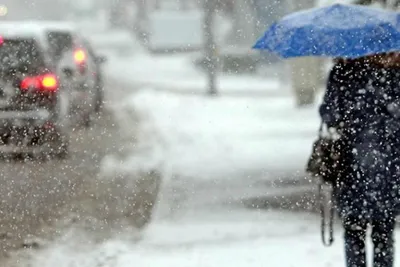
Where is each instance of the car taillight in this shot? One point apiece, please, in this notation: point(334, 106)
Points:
point(79, 56)
point(46, 82)
point(49, 82)
point(80, 60)
point(30, 82)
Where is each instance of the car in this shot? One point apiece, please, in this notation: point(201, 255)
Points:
point(34, 104)
point(98, 64)
point(73, 56)
point(66, 44)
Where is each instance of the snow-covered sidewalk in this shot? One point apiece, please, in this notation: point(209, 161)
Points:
point(225, 136)
point(241, 238)
point(237, 239)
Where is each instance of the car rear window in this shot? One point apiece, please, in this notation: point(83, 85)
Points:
point(21, 54)
point(59, 43)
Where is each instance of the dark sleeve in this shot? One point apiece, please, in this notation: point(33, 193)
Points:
point(330, 110)
point(393, 107)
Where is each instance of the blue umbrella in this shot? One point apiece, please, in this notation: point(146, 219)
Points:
point(338, 31)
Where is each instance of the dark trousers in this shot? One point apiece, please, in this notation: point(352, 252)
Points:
point(382, 239)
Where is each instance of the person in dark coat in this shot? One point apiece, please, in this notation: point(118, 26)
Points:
point(362, 104)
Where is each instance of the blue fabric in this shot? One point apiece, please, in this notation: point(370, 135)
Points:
point(348, 31)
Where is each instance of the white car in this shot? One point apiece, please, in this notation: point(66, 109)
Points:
point(72, 55)
point(34, 99)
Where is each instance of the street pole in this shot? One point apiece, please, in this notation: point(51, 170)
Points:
point(305, 71)
point(210, 46)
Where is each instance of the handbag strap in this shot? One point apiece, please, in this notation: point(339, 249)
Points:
point(321, 129)
point(327, 241)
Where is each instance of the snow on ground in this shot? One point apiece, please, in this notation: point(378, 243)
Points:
point(239, 238)
point(214, 137)
point(223, 136)
point(178, 73)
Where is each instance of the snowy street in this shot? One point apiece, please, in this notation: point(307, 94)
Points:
point(176, 133)
point(42, 198)
point(168, 176)
point(232, 185)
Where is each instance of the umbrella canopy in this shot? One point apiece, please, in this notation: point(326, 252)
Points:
point(338, 31)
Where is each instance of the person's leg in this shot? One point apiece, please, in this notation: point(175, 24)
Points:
point(354, 238)
point(383, 241)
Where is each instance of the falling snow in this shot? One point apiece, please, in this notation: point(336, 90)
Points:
point(156, 133)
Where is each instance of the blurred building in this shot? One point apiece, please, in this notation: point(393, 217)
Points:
point(34, 9)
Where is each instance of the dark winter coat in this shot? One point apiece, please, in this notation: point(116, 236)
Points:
point(363, 103)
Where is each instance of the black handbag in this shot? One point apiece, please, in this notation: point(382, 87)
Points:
point(327, 162)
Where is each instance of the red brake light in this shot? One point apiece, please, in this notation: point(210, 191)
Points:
point(46, 82)
point(30, 82)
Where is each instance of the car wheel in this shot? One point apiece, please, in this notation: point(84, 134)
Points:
point(59, 145)
point(62, 149)
point(63, 153)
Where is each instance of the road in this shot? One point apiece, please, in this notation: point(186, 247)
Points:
point(43, 199)
point(36, 197)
